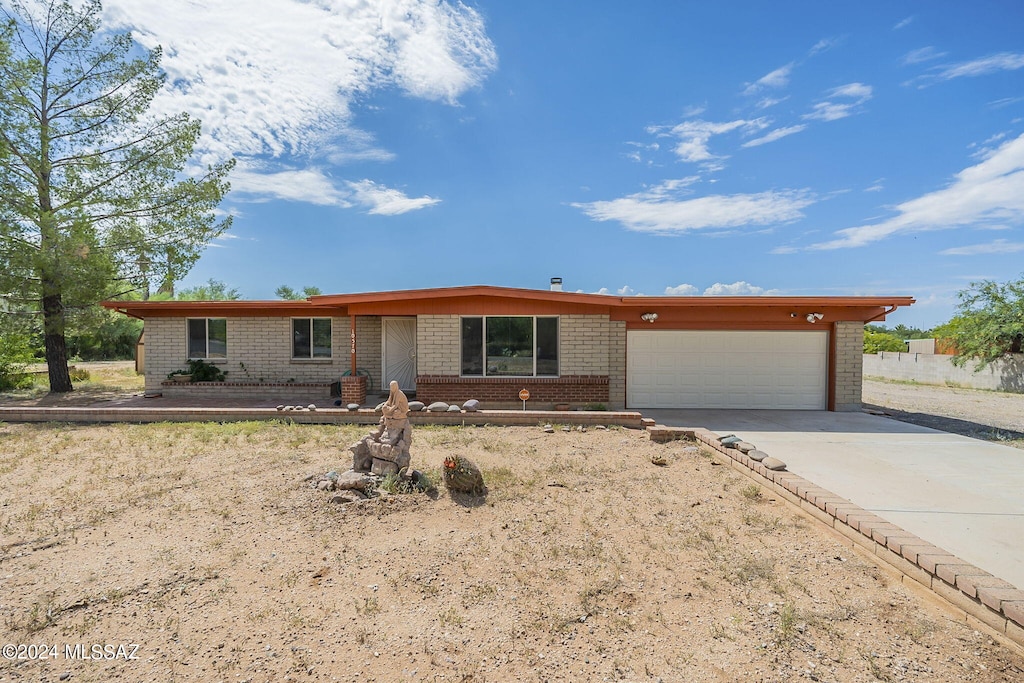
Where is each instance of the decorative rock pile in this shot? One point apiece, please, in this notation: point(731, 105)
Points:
point(352, 487)
point(310, 407)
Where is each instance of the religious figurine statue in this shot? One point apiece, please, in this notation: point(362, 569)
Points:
point(386, 451)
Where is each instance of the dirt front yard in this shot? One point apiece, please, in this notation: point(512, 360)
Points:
point(202, 545)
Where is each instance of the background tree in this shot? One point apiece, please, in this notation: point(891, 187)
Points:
point(95, 195)
point(989, 323)
point(213, 290)
point(286, 292)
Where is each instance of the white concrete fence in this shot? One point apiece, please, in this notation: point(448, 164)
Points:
point(925, 368)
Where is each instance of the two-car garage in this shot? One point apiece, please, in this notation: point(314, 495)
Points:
point(781, 370)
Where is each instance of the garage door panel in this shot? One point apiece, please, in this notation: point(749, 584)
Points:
point(726, 369)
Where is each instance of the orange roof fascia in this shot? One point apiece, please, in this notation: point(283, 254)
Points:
point(164, 309)
point(363, 303)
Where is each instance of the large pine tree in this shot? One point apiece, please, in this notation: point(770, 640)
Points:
point(96, 194)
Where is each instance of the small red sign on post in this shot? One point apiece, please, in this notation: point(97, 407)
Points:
point(524, 396)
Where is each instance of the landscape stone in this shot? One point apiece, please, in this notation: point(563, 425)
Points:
point(353, 480)
point(280, 407)
point(416, 406)
point(548, 429)
point(744, 447)
point(437, 407)
point(757, 455)
point(353, 406)
point(454, 409)
point(773, 464)
point(324, 485)
point(471, 406)
point(311, 406)
point(349, 496)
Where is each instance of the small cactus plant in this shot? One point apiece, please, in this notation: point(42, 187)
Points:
point(462, 476)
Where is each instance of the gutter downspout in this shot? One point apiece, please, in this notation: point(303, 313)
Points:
point(881, 315)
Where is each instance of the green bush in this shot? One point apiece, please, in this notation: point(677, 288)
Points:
point(15, 355)
point(875, 342)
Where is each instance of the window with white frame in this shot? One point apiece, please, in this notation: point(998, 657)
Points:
point(311, 338)
point(509, 346)
point(207, 338)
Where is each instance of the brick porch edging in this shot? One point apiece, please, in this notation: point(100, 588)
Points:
point(977, 593)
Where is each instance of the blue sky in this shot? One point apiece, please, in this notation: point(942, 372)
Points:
point(794, 148)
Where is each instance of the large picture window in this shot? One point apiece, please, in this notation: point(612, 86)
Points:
point(311, 337)
point(510, 346)
point(207, 338)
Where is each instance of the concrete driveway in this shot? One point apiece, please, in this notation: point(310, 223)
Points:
point(963, 495)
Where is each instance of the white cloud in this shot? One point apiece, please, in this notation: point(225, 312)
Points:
point(694, 136)
point(1004, 61)
point(779, 78)
point(665, 211)
point(849, 96)
point(740, 288)
point(923, 54)
point(278, 79)
point(386, 201)
point(903, 23)
point(876, 186)
point(774, 135)
point(991, 192)
point(823, 45)
point(681, 290)
point(312, 185)
point(766, 102)
point(994, 247)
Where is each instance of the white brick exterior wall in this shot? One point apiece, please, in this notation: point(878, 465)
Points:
point(438, 345)
point(368, 331)
point(849, 362)
point(263, 344)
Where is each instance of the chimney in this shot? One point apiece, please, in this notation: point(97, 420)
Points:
point(556, 284)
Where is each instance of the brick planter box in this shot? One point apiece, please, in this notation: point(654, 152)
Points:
point(503, 392)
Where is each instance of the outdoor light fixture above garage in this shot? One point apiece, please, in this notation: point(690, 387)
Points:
point(649, 317)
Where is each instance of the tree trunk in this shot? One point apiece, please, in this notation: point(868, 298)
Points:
point(56, 348)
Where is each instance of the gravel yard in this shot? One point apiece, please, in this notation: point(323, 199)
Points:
point(989, 415)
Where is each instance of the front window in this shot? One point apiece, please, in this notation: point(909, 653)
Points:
point(311, 337)
point(510, 346)
point(207, 338)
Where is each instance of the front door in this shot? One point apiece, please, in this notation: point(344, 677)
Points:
point(399, 353)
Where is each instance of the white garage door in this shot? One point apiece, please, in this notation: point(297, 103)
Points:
point(726, 369)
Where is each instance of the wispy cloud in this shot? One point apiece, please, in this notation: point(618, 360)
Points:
point(667, 210)
point(694, 136)
point(279, 79)
point(387, 201)
point(824, 45)
point(1004, 61)
point(774, 135)
point(920, 55)
point(841, 102)
point(903, 23)
point(991, 191)
point(994, 247)
point(779, 78)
